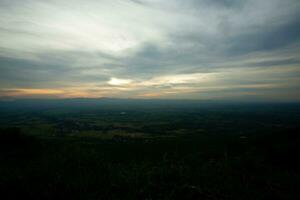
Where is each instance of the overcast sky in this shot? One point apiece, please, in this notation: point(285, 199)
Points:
point(193, 49)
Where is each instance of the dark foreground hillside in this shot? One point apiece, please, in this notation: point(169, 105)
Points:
point(254, 160)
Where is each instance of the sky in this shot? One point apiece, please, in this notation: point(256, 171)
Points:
point(169, 49)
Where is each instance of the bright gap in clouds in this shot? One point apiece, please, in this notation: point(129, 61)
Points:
point(119, 82)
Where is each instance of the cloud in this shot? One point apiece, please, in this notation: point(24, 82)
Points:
point(150, 48)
